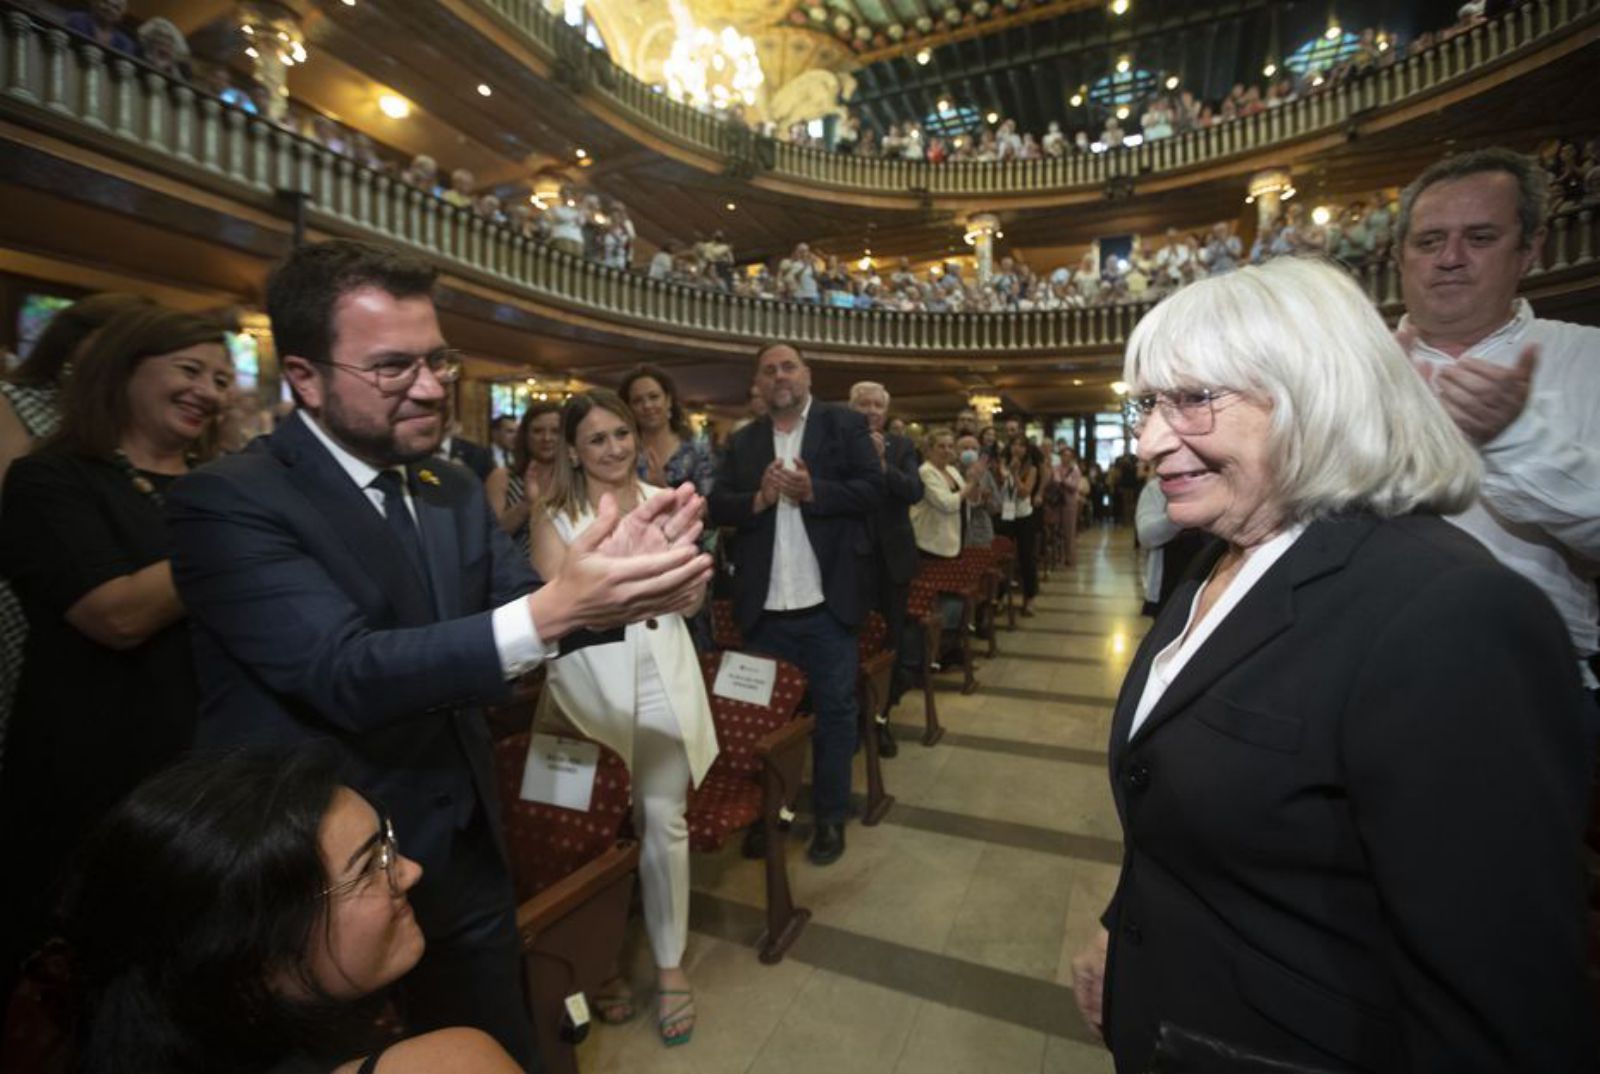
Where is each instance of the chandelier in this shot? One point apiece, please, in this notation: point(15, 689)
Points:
point(711, 69)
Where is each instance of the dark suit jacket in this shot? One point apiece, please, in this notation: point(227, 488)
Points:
point(1353, 824)
point(311, 623)
point(890, 525)
point(846, 483)
point(472, 455)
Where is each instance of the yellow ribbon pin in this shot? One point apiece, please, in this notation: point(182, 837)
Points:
point(427, 477)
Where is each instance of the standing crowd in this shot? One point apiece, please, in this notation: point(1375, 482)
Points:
point(248, 775)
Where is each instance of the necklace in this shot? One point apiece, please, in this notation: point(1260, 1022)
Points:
point(142, 484)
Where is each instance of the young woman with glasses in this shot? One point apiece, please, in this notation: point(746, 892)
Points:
point(246, 913)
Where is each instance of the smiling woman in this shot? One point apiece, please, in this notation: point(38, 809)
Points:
point(107, 693)
point(1345, 691)
point(246, 912)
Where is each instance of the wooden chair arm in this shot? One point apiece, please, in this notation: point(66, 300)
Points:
point(776, 743)
point(570, 892)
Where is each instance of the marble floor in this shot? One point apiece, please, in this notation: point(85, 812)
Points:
point(942, 941)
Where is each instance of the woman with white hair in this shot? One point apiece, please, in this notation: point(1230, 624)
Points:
point(1348, 757)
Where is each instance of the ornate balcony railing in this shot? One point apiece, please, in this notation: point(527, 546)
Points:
point(56, 84)
point(586, 70)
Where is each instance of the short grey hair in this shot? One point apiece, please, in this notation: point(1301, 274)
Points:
point(1353, 427)
point(1533, 185)
point(862, 387)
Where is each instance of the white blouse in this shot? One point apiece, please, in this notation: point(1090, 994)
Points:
point(1172, 660)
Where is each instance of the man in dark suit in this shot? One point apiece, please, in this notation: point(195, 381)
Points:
point(345, 586)
point(469, 453)
point(798, 484)
point(894, 544)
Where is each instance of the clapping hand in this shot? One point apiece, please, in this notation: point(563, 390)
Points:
point(796, 483)
point(1481, 398)
point(771, 485)
point(622, 570)
point(880, 445)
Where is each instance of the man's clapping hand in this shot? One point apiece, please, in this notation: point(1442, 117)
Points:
point(796, 483)
point(624, 570)
point(1482, 398)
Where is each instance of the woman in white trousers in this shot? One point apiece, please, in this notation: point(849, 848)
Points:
point(643, 698)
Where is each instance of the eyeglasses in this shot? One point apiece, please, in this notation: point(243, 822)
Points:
point(1189, 412)
point(386, 860)
point(396, 373)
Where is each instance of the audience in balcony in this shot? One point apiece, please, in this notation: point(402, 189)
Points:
point(101, 23)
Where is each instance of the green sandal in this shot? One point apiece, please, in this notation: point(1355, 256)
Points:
point(677, 1017)
point(614, 1008)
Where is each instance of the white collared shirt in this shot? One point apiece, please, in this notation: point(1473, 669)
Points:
point(1176, 656)
point(516, 637)
point(1538, 508)
point(796, 579)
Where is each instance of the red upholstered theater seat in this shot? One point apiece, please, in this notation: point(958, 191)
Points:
point(548, 843)
point(574, 880)
point(755, 779)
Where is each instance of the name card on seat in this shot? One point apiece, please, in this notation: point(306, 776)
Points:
point(747, 678)
point(560, 771)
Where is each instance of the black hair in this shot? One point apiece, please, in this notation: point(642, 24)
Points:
point(676, 420)
point(303, 292)
point(195, 901)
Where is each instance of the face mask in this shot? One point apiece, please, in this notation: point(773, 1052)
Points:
point(968, 457)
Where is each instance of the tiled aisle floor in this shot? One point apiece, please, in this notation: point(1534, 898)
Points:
point(942, 941)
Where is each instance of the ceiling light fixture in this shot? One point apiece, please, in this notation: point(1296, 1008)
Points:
point(1075, 100)
point(1120, 387)
point(711, 69)
point(1123, 63)
point(1333, 32)
point(1122, 112)
point(923, 57)
point(1120, 7)
point(1172, 81)
point(943, 104)
point(394, 106)
point(484, 90)
point(1270, 69)
point(732, 206)
point(993, 117)
point(580, 153)
point(1321, 215)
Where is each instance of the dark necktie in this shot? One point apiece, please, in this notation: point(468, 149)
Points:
point(402, 525)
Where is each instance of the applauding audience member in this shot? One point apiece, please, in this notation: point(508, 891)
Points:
point(644, 699)
point(107, 694)
point(668, 453)
point(514, 489)
point(246, 913)
point(798, 484)
point(889, 527)
point(1523, 389)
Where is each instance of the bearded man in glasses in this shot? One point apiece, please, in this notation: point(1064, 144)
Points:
point(345, 585)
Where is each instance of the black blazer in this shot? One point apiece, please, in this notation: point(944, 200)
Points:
point(1353, 824)
point(310, 623)
point(846, 483)
point(890, 525)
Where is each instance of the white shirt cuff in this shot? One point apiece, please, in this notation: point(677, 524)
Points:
point(517, 640)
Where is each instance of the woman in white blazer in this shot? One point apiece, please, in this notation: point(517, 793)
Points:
point(936, 518)
point(644, 698)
